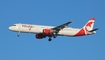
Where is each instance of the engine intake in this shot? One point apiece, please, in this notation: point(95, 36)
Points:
point(47, 31)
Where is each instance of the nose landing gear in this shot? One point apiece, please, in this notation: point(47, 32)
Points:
point(18, 34)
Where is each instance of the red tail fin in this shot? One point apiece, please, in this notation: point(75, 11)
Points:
point(88, 26)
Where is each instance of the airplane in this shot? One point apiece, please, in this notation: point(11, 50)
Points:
point(43, 31)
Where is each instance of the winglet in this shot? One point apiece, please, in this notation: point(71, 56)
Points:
point(67, 23)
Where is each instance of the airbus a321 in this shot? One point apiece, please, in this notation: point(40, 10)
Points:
point(43, 31)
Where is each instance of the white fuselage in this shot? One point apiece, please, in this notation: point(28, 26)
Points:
point(36, 29)
point(42, 31)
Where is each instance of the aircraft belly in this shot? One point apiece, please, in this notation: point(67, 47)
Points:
point(67, 33)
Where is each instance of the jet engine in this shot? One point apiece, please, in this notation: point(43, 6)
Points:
point(47, 31)
point(40, 36)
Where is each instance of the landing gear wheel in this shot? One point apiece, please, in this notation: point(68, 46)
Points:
point(49, 39)
point(54, 36)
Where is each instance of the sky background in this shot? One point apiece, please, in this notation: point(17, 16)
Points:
point(51, 12)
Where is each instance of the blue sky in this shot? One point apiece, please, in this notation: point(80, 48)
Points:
point(51, 12)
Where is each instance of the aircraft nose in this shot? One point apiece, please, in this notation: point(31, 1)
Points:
point(10, 28)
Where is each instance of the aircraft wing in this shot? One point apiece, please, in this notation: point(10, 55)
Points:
point(54, 31)
point(58, 28)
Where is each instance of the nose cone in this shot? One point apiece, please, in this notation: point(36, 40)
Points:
point(10, 28)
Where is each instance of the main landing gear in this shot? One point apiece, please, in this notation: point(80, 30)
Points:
point(49, 39)
point(54, 35)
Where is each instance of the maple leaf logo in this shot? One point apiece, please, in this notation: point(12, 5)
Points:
point(89, 24)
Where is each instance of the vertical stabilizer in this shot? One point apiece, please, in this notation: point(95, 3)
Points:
point(88, 27)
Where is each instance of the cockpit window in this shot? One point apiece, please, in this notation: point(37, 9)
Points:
point(13, 25)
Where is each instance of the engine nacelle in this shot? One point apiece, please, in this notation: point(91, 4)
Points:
point(40, 36)
point(47, 31)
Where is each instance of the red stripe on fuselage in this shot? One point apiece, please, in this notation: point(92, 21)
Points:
point(80, 33)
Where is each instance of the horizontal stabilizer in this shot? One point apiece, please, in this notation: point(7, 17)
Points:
point(93, 30)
